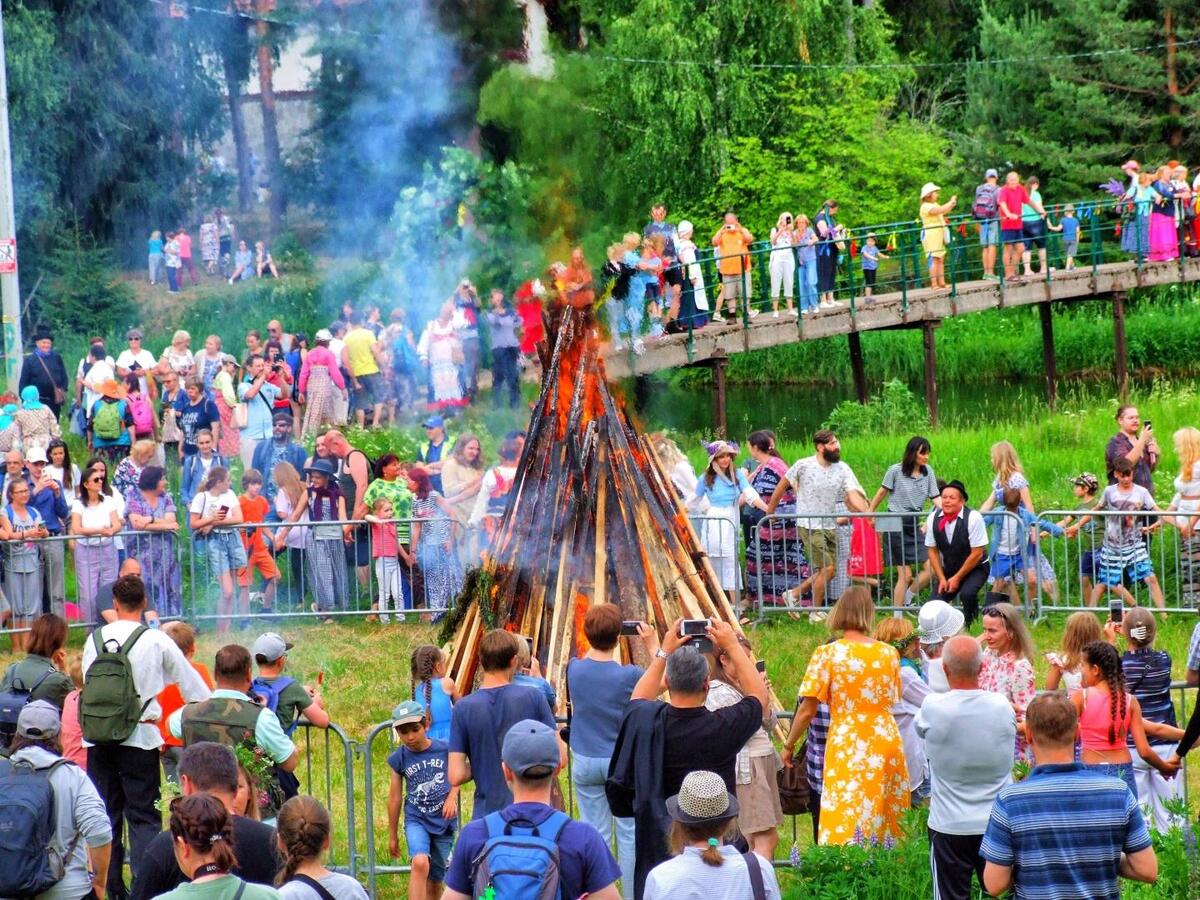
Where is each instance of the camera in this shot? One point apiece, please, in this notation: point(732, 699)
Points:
point(629, 628)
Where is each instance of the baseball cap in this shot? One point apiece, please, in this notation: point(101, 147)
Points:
point(434, 422)
point(270, 646)
point(37, 454)
point(39, 719)
point(408, 713)
point(991, 173)
point(323, 334)
point(531, 749)
point(1087, 481)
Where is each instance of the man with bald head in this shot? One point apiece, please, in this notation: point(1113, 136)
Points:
point(14, 467)
point(969, 735)
point(104, 596)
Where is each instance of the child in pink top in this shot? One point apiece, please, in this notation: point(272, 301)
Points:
point(71, 733)
point(385, 549)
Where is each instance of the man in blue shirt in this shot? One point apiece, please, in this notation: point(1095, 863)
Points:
point(482, 719)
point(268, 454)
point(1066, 831)
point(531, 760)
point(259, 395)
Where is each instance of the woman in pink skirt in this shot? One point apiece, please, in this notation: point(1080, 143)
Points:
point(320, 379)
point(226, 400)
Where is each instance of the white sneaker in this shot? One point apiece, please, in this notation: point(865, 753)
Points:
point(753, 313)
point(717, 317)
point(638, 347)
point(775, 315)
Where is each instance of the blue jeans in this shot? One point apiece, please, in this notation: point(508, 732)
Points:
point(624, 318)
point(588, 774)
point(807, 273)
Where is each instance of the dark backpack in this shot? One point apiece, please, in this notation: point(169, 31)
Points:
point(29, 862)
point(12, 701)
point(519, 861)
point(109, 705)
point(268, 694)
point(987, 202)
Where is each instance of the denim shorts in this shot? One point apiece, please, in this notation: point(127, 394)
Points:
point(1035, 234)
point(1008, 565)
point(1071, 247)
point(225, 552)
point(1089, 564)
point(989, 232)
point(436, 846)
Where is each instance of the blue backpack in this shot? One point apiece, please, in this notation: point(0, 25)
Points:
point(268, 692)
point(519, 861)
point(29, 862)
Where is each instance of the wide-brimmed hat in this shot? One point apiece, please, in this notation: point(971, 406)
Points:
point(928, 189)
point(938, 621)
point(702, 798)
point(958, 486)
point(321, 467)
point(721, 448)
point(109, 388)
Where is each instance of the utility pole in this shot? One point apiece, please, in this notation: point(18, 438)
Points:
point(10, 292)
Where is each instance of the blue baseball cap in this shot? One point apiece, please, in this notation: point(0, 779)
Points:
point(434, 422)
point(531, 749)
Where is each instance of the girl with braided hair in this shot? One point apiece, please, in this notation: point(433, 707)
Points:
point(303, 835)
point(1108, 715)
point(433, 689)
point(202, 836)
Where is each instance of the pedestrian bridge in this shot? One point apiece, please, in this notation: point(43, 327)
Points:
point(899, 302)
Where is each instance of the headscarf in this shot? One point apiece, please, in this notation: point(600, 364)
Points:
point(29, 398)
point(6, 416)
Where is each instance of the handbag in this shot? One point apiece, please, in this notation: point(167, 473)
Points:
point(239, 416)
point(59, 394)
point(795, 792)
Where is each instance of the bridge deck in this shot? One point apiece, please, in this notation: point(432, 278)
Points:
point(889, 311)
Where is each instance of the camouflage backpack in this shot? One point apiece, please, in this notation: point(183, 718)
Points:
point(230, 721)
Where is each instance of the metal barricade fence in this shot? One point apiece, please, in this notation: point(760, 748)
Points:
point(327, 742)
point(862, 548)
point(1142, 557)
point(327, 569)
point(723, 541)
point(94, 561)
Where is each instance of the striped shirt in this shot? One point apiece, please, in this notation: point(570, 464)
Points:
point(1148, 677)
point(818, 734)
point(1193, 657)
point(908, 494)
point(1063, 830)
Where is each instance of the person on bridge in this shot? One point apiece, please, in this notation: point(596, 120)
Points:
point(935, 234)
point(986, 211)
point(1011, 199)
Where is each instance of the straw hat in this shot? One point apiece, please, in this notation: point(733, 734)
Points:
point(702, 798)
point(109, 388)
point(929, 188)
point(721, 448)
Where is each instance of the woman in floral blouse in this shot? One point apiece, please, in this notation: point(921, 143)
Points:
point(1008, 663)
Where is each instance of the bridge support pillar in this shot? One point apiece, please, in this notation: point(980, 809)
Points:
point(929, 341)
point(720, 416)
point(1049, 364)
point(856, 367)
point(1120, 348)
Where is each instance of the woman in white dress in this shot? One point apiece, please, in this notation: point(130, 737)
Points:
point(726, 488)
point(441, 351)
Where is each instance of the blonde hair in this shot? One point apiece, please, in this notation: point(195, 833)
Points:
point(379, 504)
point(75, 670)
point(1005, 462)
point(854, 611)
point(668, 451)
point(1082, 628)
point(287, 479)
point(898, 633)
point(142, 451)
point(1187, 448)
point(631, 240)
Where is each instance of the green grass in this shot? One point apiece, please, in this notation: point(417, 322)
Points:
point(1162, 329)
point(366, 674)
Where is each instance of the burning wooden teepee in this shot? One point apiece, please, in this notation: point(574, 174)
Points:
point(592, 518)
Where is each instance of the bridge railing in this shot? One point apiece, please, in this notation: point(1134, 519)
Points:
point(1109, 230)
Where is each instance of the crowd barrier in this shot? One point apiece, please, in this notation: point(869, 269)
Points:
point(370, 861)
point(881, 550)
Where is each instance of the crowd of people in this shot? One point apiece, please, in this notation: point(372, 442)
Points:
point(170, 259)
point(676, 798)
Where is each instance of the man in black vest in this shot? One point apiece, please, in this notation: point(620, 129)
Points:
point(957, 541)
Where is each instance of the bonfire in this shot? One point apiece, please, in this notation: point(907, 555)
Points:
point(592, 518)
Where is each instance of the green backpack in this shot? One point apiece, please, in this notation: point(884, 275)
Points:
point(109, 705)
point(106, 423)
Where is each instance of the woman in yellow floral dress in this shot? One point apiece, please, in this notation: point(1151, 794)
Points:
point(866, 777)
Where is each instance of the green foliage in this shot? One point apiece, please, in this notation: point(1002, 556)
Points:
point(85, 294)
point(1076, 119)
point(894, 408)
point(874, 159)
point(292, 256)
point(466, 216)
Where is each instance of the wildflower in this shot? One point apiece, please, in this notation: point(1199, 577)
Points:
point(794, 855)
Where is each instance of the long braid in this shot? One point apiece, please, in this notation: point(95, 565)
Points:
point(303, 827)
point(424, 662)
point(1103, 656)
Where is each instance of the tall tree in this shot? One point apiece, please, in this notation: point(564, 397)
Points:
point(1074, 114)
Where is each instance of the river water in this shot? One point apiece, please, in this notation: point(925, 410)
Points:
point(795, 411)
